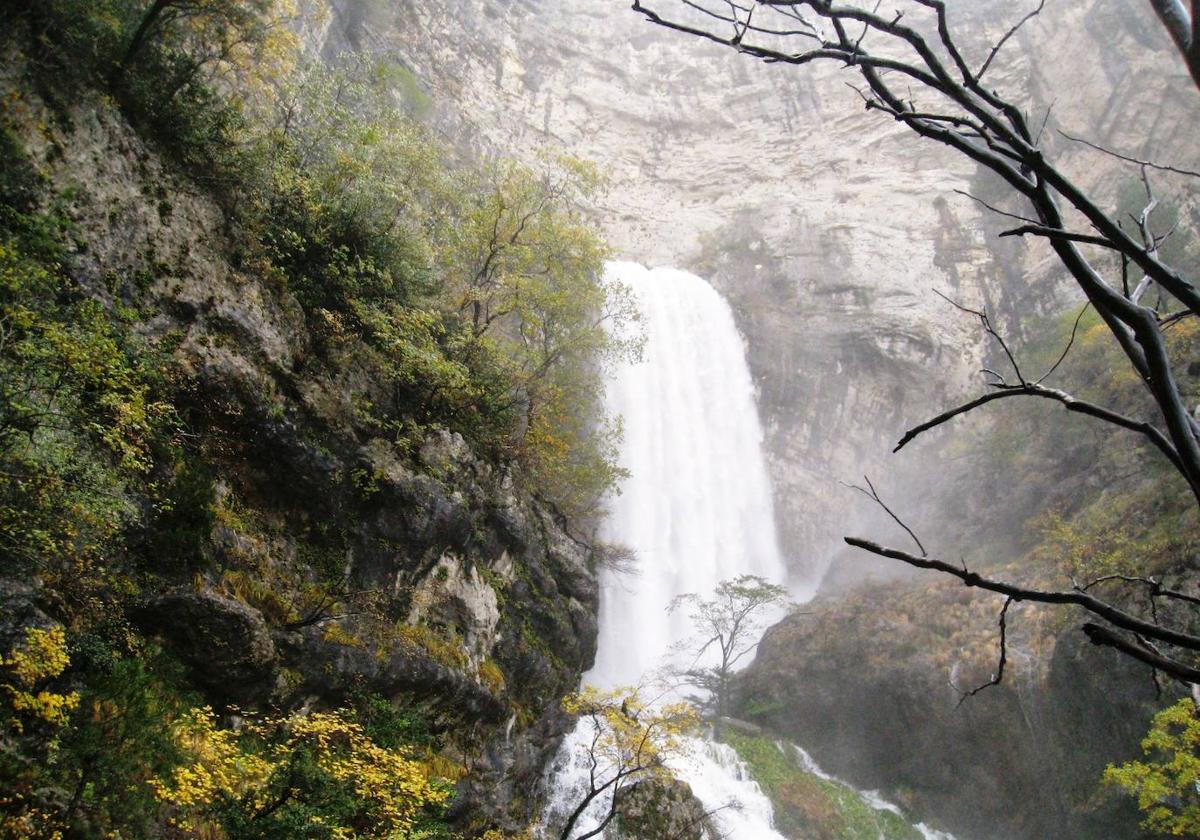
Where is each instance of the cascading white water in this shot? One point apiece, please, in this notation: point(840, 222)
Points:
point(696, 510)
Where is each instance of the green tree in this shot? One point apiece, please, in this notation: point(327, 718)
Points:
point(1167, 784)
point(728, 627)
point(527, 274)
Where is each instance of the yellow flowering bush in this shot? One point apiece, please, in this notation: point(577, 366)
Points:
point(39, 659)
point(319, 769)
point(1167, 785)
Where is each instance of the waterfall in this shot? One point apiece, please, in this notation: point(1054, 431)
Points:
point(696, 510)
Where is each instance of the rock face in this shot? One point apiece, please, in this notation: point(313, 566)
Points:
point(827, 227)
point(873, 702)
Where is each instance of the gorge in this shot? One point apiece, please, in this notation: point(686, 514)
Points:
point(377, 375)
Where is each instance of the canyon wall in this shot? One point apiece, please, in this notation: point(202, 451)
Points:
point(828, 227)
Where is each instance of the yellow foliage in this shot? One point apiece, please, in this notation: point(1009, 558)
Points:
point(40, 658)
point(30, 824)
point(633, 738)
point(1168, 785)
point(219, 767)
point(250, 767)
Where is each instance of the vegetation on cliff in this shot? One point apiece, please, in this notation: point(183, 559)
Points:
point(294, 407)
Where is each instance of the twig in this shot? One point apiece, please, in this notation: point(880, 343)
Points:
point(1156, 588)
point(986, 323)
point(1007, 35)
point(1128, 159)
point(998, 676)
point(1067, 349)
point(997, 210)
point(873, 494)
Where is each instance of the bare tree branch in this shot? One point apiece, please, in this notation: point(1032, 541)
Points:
point(1100, 635)
point(1111, 614)
point(1156, 588)
point(1129, 159)
point(1070, 403)
point(1042, 230)
point(997, 676)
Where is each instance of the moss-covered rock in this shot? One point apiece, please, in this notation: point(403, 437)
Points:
point(809, 806)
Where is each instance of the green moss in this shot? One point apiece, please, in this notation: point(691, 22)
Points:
point(443, 648)
point(810, 807)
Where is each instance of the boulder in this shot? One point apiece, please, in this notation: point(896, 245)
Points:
point(658, 808)
point(225, 643)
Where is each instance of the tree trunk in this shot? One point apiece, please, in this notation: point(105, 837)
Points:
point(139, 36)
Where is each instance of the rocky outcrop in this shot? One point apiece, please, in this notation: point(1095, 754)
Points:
point(655, 809)
point(225, 643)
point(872, 686)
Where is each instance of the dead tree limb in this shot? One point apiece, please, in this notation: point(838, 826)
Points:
point(1104, 637)
point(1114, 615)
point(998, 675)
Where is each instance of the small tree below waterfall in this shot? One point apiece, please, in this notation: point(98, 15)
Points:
point(728, 628)
point(626, 741)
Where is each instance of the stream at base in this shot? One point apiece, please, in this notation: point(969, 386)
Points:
point(696, 510)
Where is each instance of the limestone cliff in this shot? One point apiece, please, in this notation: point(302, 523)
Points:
point(826, 226)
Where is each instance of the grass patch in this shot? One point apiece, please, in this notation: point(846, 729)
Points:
point(809, 807)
